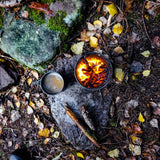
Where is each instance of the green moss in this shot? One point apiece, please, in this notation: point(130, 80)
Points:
point(1, 17)
point(36, 16)
point(57, 24)
point(47, 1)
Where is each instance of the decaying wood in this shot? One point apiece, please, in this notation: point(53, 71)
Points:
point(83, 128)
point(87, 118)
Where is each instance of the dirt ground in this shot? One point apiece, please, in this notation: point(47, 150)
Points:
point(133, 127)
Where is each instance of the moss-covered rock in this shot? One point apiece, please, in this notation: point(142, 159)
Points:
point(29, 43)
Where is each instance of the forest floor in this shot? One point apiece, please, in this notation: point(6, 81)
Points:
point(134, 117)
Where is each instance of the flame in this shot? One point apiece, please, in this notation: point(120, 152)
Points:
point(91, 71)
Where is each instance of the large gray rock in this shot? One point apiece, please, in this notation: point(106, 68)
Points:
point(75, 96)
point(28, 43)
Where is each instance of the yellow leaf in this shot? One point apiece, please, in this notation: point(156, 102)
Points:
point(77, 48)
point(0, 130)
point(31, 104)
point(112, 9)
point(36, 120)
point(44, 133)
point(146, 17)
point(29, 81)
point(136, 140)
point(80, 155)
point(52, 129)
point(117, 29)
point(146, 73)
point(98, 22)
point(118, 50)
point(93, 42)
point(17, 104)
point(119, 74)
point(46, 140)
point(141, 118)
point(35, 74)
point(114, 153)
point(145, 53)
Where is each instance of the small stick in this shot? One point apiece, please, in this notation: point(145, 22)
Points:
point(100, 5)
point(83, 128)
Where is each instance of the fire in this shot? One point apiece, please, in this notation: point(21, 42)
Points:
point(91, 71)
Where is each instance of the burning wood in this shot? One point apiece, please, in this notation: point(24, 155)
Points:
point(91, 71)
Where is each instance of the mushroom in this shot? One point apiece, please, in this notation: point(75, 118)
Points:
point(111, 8)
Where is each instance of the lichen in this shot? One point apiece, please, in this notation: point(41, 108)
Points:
point(56, 23)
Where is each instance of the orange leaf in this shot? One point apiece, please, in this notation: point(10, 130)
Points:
point(136, 129)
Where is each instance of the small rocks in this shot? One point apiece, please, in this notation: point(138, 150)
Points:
point(136, 67)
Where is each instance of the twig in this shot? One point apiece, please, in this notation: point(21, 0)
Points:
point(100, 5)
point(145, 29)
point(81, 126)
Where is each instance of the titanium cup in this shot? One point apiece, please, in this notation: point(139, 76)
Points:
point(51, 83)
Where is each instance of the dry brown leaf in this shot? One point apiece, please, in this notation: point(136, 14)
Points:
point(84, 36)
point(128, 4)
point(136, 129)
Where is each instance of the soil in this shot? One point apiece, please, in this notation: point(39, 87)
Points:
point(123, 122)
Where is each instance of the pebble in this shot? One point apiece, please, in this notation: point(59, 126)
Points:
point(136, 67)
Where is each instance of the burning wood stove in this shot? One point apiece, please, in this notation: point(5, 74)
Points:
point(93, 71)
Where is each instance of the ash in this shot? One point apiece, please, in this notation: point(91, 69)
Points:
point(76, 96)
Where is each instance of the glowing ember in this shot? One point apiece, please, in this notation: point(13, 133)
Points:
point(91, 71)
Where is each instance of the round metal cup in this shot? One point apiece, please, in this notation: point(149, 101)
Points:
point(43, 85)
point(109, 71)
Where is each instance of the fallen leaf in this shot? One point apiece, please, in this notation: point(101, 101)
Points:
point(154, 123)
point(32, 104)
point(156, 41)
point(90, 26)
point(117, 29)
point(98, 158)
point(2, 109)
point(58, 157)
point(111, 8)
point(36, 120)
point(136, 129)
point(39, 103)
point(14, 89)
point(52, 129)
point(146, 73)
point(156, 111)
point(17, 104)
point(77, 48)
point(25, 14)
point(146, 16)
point(128, 4)
point(44, 133)
point(56, 134)
point(119, 74)
point(29, 81)
point(1, 130)
point(118, 50)
point(136, 140)
point(46, 140)
point(141, 118)
point(103, 20)
point(135, 149)
point(107, 31)
point(29, 110)
point(35, 74)
point(93, 42)
point(80, 155)
point(27, 94)
point(114, 153)
point(15, 115)
point(146, 53)
point(97, 24)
